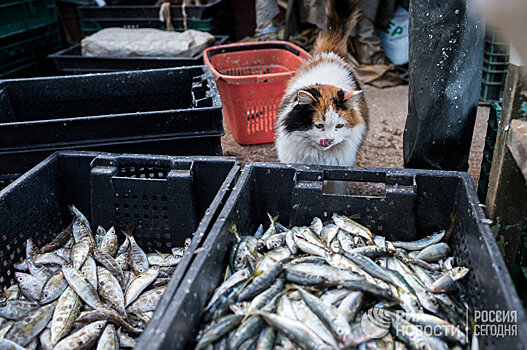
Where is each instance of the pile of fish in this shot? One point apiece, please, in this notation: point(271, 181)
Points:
point(83, 290)
point(335, 285)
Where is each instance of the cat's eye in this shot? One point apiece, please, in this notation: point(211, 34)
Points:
point(338, 126)
point(319, 126)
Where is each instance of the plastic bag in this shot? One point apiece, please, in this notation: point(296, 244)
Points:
point(122, 42)
point(394, 38)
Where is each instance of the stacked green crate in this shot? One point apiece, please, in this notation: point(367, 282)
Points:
point(29, 31)
point(488, 151)
point(490, 141)
point(495, 64)
point(519, 267)
point(19, 16)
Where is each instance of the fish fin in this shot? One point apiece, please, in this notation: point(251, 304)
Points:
point(450, 229)
point(273, 219)
point(234, 231)
point(227, 274)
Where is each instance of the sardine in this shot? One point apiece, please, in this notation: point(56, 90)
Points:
point(109, 339)
point(138, 259)
point(84, 338)
point(29, 327)
point(421, 243)
point(109, 290)
point(81, 286)
point(65, 313)
point(140, 283)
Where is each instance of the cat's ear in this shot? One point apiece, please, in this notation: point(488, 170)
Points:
point(352, 96)
point(304, 97)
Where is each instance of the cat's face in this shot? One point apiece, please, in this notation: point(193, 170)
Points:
point(324, 114)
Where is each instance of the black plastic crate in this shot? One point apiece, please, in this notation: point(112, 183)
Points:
point(414, 203)
point(148, 10)
point(130, 2)
point(6, 180)
point(23, 159)
point(70, 60)
point(119, 110)
point(165, 200)
point(519, 267)
point(210, 25)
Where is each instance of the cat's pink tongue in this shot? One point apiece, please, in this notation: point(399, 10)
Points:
point(325, 142)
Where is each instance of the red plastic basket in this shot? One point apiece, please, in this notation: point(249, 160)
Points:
point(252, 78)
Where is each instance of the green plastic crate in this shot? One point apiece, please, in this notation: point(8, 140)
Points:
point(495, 65)
point(488, 151)
point(19, 16)
point(204, 25)
point(89, 27)
point(490, 141)
point(30, 50)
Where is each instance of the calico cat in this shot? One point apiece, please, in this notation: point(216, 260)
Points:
point(323, 116)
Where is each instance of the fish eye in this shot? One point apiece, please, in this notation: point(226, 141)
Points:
point(3, 304)
point(155, 267)
point(319, 126)
point(99, 326)
point(45, 295)
point(20, 279)
point(338, 126)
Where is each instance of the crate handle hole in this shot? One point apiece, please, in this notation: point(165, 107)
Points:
point(355, 188)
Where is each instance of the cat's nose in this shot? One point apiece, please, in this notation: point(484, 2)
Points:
point(326, 142)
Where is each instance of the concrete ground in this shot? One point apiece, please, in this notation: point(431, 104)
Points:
point(383, 146)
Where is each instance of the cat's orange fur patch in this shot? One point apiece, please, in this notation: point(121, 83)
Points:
point(328, 95)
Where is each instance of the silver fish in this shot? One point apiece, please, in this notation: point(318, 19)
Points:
point(65, 313)
point(28, 328)
point(421, 243)
point(83, 338)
